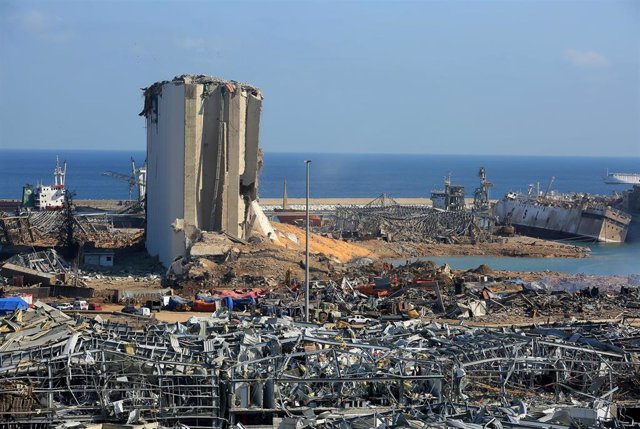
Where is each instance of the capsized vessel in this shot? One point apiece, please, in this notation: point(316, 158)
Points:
point(578, 216)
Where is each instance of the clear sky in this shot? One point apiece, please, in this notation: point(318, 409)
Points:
point(499, 77)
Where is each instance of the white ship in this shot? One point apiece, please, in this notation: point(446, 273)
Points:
point(622, 178)
point(47, 197)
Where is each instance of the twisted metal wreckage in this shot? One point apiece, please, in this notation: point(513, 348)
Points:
point(384, 217)
point(217, 371)
point(45, 226)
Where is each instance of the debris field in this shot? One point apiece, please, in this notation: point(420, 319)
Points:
point(228, 370)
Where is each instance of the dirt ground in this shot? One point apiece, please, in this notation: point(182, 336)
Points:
point(274, 262)
point(518, 246)
point(162, 316)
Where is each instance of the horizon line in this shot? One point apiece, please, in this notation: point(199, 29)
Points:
point(338, 153)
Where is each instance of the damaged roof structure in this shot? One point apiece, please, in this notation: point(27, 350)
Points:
point(42, 228)
point(203, 161)
point(45, 267)
point(384, 217)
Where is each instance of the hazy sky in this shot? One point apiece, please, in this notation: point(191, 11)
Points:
point(510, 77)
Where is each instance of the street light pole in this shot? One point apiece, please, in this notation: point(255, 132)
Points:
point(306, 250)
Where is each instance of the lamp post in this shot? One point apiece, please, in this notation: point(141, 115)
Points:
point(306, 250)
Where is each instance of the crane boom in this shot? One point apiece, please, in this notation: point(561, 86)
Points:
point(120, 176)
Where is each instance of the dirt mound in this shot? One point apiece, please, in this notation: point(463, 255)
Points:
point(292, 237)
point(425, 265)
point(483, 269)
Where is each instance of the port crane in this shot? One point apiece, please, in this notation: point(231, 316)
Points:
point(137, 179)
point(481, 194)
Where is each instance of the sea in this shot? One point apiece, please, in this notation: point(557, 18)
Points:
point(605, 259)
point(331, 175)
point(363, 176)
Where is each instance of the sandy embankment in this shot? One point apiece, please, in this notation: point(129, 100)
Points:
point(518, 246)
point(292, 237)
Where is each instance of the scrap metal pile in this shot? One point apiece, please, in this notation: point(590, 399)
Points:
point(422, 289)
point(384, 217)
point(364, 289)
point(508, 300)
point(221, 371)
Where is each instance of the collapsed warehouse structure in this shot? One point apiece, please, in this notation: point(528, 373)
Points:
point(384, 217)
point(203, 160)
point(43, 228)
point(216, 372)
point(46, 268)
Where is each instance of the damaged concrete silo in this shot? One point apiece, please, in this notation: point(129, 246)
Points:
point(203, 160)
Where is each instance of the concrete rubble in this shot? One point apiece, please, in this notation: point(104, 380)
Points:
point(227, 370)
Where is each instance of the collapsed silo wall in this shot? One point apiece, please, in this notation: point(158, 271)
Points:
point(206, 139)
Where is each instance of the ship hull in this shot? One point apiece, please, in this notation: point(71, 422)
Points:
point(583, 223)
point(622, 179)
point(547, 234)
point(297, 218)
point(617, 181)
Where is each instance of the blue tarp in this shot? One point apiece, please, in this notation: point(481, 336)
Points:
point(9, 305)
point(240, 304)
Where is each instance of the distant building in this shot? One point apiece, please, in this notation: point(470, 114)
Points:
point(202, 160)
point(98, 257)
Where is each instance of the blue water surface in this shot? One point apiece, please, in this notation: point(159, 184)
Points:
point(605, 259)
point(332, 175)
